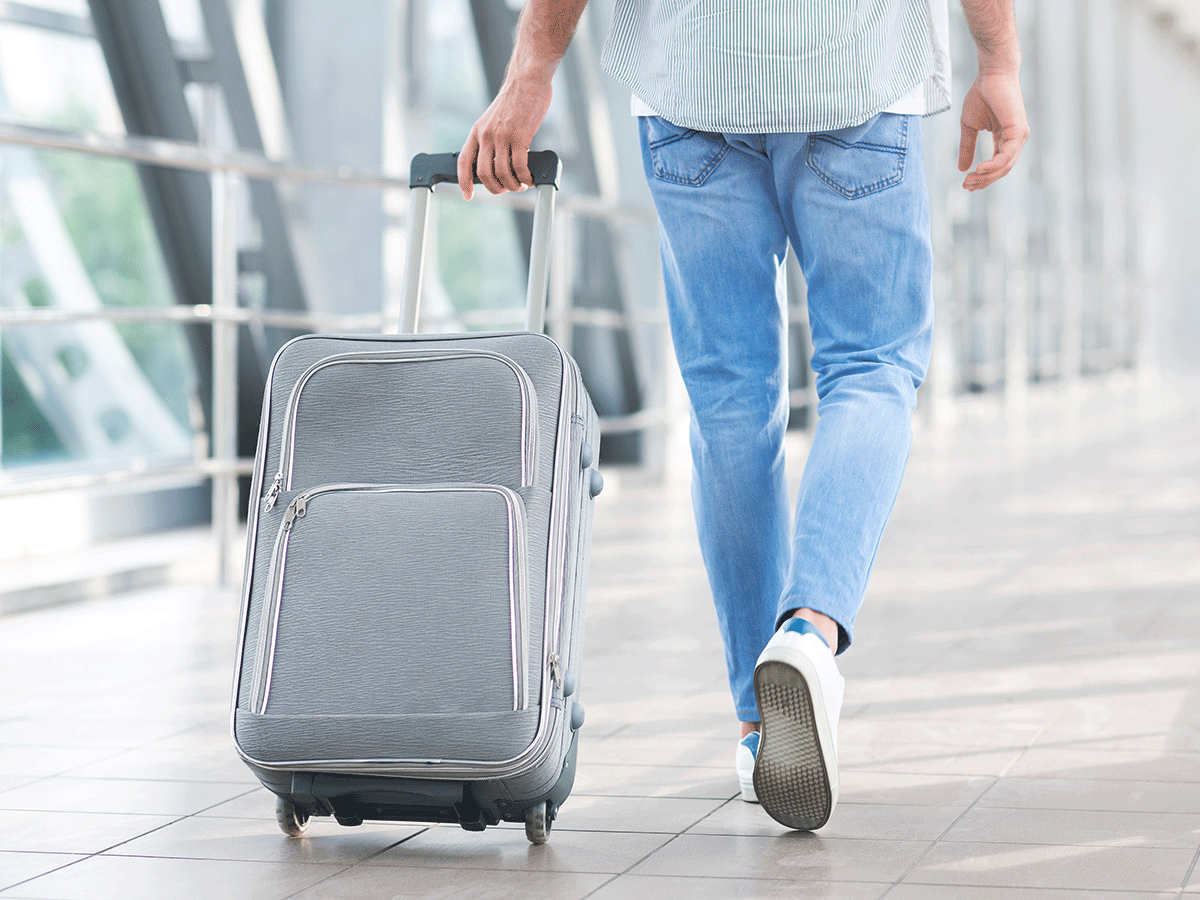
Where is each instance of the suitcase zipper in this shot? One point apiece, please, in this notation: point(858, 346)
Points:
point(518, 582)
point(283, 476)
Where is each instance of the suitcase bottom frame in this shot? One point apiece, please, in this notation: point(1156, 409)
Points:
point(354, 799)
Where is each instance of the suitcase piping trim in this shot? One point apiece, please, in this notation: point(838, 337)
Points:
point(540, 746)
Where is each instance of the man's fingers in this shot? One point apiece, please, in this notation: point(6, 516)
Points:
point(503, 133)
point(520, 166)
point(466, 166)
point(503, 165)
point(497, 166)
point(989, 172)
point(966, 148)
point(1009, 144)
point(485, 169)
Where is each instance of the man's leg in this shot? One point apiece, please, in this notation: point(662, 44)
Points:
point(858, 216)
point(722, 239)
point(857, 213)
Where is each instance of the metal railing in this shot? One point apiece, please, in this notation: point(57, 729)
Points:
point(224, 316)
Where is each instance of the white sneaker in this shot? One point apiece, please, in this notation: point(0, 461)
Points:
point(743, 762)
point(799, 692)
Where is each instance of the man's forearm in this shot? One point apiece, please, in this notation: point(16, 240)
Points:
point(993, 25)
point(543, 33)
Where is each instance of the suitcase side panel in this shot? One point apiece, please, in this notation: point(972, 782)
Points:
point(576, 534)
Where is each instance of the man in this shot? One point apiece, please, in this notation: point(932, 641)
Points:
point(765, 122)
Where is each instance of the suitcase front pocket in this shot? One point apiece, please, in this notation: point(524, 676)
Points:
point(390, 600)
point(410, 417)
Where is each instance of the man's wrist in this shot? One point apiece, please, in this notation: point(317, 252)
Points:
point(531, 74)
point(1005, 61)
point(993, 25)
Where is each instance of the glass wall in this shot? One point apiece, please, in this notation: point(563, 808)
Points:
point(75, 235)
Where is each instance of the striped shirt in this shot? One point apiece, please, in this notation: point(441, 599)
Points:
point(751, 66)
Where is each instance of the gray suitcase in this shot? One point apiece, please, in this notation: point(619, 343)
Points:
point(417, 546)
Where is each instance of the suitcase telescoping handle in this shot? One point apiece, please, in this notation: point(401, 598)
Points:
point(430, 169)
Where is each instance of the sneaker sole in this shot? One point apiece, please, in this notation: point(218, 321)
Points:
point(791, 775)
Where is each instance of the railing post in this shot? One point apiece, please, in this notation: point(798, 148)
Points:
point(223, 429)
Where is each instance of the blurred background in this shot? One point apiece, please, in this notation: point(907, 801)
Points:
point(186, 184)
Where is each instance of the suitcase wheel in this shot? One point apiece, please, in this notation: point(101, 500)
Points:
point(537, 823)
point(292, 821)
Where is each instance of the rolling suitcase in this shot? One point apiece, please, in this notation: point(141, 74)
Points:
point(417, 546)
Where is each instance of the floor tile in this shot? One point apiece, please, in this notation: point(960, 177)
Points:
point(657, 781)
point(243, 839)
point(966, 729)
point(635, 814)
point(1055, 866)
point(857, 821)
point(151, 763)
point(167, 798)
point(626, 749)
point(72, 832)
point(858, 786)
point(253, 803)
point(40, 762)
point(120, 734)
point(131, 878)
point(447, 846)
point(411, 883)
point(930, 759)
point(1110, 761)
point(1102, 828)
point(660, 887)
point(17, 867)
point(171, 709)
point(1084, 793)
point(789, 855)
point(963, 892)
point(212, 738)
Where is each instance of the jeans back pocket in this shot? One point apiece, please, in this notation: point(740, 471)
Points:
point(857, 162)
point(682, 155)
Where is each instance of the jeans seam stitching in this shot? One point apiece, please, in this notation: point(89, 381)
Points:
point(662, 142)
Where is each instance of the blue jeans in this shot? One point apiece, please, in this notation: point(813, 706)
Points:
point(854, 206)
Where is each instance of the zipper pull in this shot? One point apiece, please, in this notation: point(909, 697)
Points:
point(296, 510)
point(273, 492)
point(556, 674)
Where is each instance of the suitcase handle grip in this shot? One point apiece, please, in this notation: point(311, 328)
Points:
point(429, 169)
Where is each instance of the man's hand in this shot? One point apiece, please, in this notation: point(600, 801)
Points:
point(993, 104)
point(498, 146)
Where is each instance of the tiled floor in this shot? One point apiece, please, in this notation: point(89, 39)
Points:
point(1022, 715)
